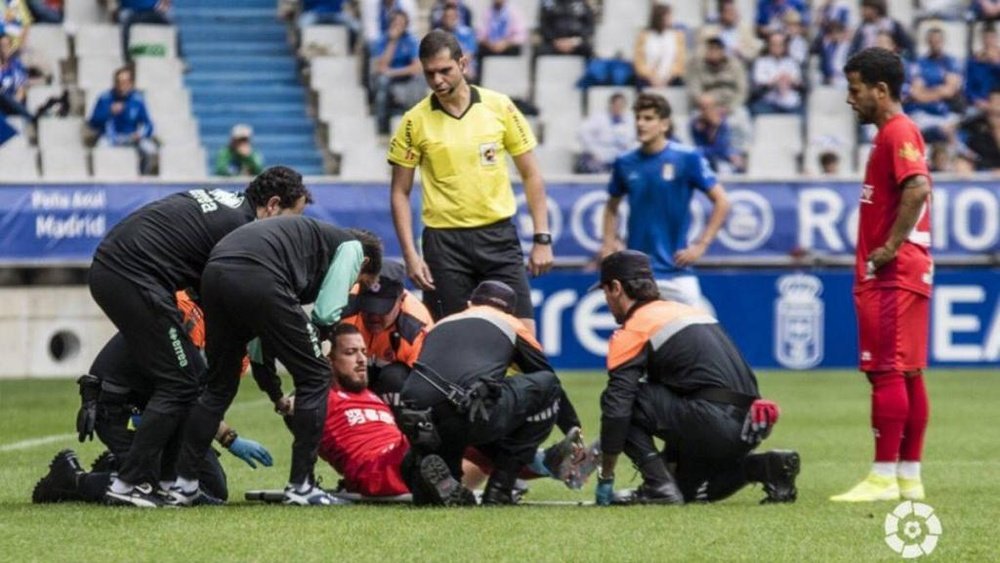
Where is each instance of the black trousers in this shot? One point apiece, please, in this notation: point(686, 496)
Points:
point(520, 419)
point(387, 382)
point(459, 259)
point(702, 439)
point(242, 301)
point(115, 408)
point(172, 367)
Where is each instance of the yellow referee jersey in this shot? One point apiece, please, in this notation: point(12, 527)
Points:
point(463, 160)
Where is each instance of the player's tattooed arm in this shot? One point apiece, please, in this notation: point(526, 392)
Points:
point(916, 190)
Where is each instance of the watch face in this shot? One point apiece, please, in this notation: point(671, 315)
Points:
point(543, 238)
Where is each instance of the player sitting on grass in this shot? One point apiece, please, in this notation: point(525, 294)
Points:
point(362, 442)
point(674, 374)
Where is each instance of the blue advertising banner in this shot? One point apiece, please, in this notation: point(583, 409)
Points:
point(63, 223)
point(780, 319)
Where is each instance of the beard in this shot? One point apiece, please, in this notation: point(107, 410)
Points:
point(348, 384)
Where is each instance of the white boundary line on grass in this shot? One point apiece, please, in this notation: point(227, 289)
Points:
point(34, 442)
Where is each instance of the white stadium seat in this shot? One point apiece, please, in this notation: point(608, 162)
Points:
point(180, 130)
point(97, 72)
point(343, 101)
point(324, 40)
point(779, 130)
point(509, 75)
point(153, 72)
point(98, 39)
point(115, 163)
point(62, 163)
point(38, 95)
point(166, 102)
point(333, 72)
point(77, 12)
point(150, 40)
point(60, 132)
point(182, 163)
point(18, 162)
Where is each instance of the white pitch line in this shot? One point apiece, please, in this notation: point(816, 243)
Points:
point(34, 442)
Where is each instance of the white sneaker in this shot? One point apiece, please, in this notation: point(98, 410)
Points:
point(313, 496)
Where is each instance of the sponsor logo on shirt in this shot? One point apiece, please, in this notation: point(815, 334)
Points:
point(668, 172)
point(866, 356)
point(867, 190)
point(909, 152)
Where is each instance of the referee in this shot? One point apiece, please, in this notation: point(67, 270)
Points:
point(460, 136)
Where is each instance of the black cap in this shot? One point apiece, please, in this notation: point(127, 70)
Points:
point(715, 41)
point(381, 297)
point(624, 265)
point(495, 294)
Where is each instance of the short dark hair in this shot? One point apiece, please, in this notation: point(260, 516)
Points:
point(995, 91)
point(342, 329)
point(435, 41)
point(828, 158)
point(371, 246)
point(655, 102)
point(124, 69)
point(875, 65)
point(656, 14)
point(279, 181)
point(641, 289)
point(879, 6)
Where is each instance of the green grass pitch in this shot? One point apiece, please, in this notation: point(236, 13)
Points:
point(824, 417)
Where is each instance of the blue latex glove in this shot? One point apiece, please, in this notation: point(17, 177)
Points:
point(605, 492)
point(250, 451)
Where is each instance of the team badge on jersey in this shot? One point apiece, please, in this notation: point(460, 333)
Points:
point(867, 190)
point(668, 172)
point(909, 152)
point(488, 154)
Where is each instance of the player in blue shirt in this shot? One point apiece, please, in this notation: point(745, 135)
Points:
point(659, 179)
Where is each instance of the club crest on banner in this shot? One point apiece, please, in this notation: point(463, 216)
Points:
point(798, 321)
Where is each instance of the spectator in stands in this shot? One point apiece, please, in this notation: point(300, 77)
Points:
point(777, 79)
point(120, 119)
point(981, 135)
point(987, 10)
point(437, 13)
point(15, 19)
point(798, 43)
point(239, 157)
point(452, 23)
point(567, 28)
point(982, 72)
point(376, 16)
point(718, 74)
point(935, 88)
point(13, 81)
point(46, 12)
point(829, 164)
point(875, 18)
point(832, 11)
point(771, 14)
point(131, 12)
point(710, 132)
point(605, 136)
point(660, 50)
point(736, 34)
point(831, 48)
point(335, 12)
point(396, 75)
point(501, 30)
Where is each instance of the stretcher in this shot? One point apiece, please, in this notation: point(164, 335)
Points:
point(275, 496)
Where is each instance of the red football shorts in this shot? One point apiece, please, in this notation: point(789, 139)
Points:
point(379, 475)
point(893, 326)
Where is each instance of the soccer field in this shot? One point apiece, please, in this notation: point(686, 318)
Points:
point(824, 417)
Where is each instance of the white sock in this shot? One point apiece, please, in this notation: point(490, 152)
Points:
point(884, 468)
point(120, 487)
point(909, 469)
point(165, 485)
point(305, 486)
point(185, 485)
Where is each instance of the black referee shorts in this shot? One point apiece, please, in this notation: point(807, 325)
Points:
point(460, 259)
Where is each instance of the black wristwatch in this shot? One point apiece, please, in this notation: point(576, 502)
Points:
point(542, 238)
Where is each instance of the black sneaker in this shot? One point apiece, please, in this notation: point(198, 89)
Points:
point(176, 497)
point(141, 496)
point(667, 493)
point(107, 462)
point(442, 488)
point(59, 484)
point(782, 466)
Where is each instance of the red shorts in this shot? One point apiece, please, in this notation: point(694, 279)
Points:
point(379, 475)
point(893, 325)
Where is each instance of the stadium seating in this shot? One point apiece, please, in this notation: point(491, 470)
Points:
point(97, 72)
point(155, 73)
point(38, 95)
point(153, 40)
point(509, 75)
point(18, 162)
point(179, 131)
point(56, 132)
point(182, 163)
point(77, 12)
point(52, 43)
point(97, 40)
point(329, 40)
point(115, 163)
point(64, 163)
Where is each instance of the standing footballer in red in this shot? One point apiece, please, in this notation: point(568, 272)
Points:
point(892, 278)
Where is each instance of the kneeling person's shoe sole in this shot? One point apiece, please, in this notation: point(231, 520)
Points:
point(59, 484)
point(783, 467)
point(178, 498)
point(441, 485)
point(141, 496)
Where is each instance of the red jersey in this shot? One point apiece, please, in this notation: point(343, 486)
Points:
point(359, 427)
point(897, 154)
